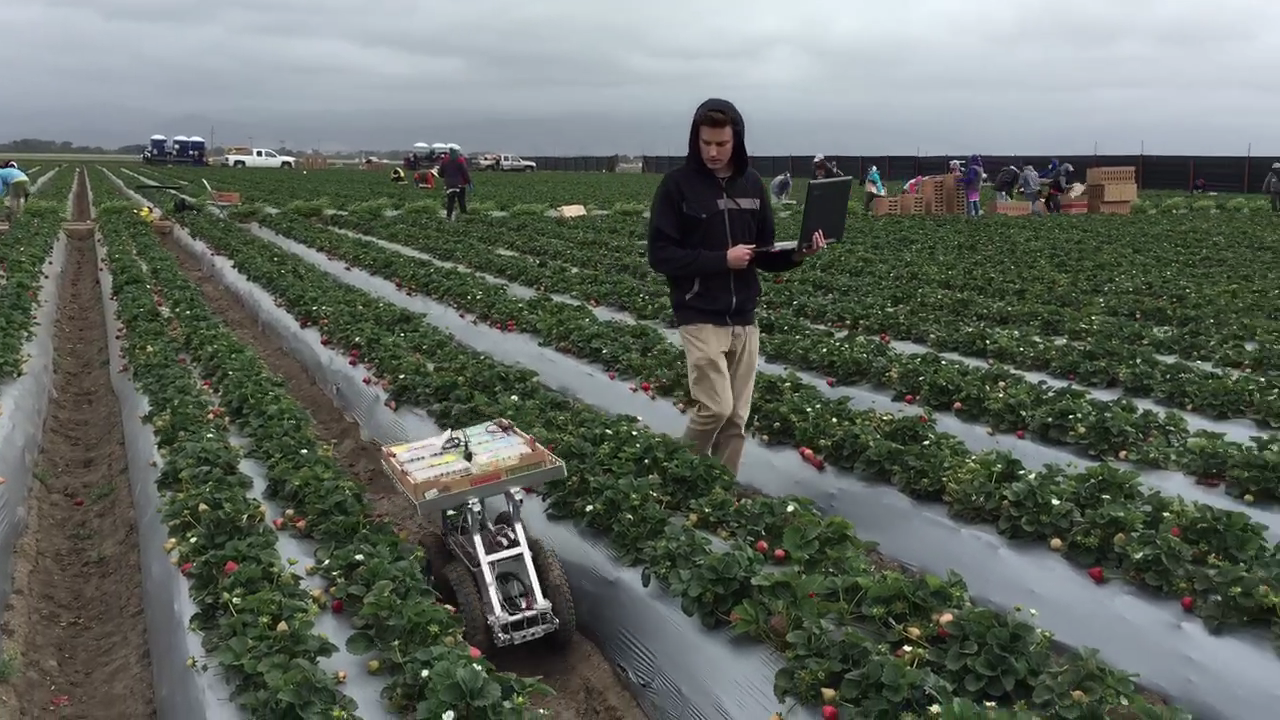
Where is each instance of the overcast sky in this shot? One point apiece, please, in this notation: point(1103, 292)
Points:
point(585, 77)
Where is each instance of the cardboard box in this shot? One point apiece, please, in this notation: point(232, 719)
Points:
point(1111, 175)
point(226, 198)
point(1075, 206)
point(1115, 192)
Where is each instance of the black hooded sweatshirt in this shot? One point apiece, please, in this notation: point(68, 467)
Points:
point(697, 217)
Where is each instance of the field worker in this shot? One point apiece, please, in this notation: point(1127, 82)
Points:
point(780, 188)
point(1059, 184)
point(424, 179)
point(14, 187)
point(822, 168)
point(872, 189)
point(1271, 186)
point(1030, 186)
point(913, 185)
point(953, 168)
point(1050, 171)
point(708, 223)
point(1006, 181)
point(397, 175)
point(973, 186)
point(1199, 187)
point(453, 170)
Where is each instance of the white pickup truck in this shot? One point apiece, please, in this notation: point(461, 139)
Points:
point(507, 163)
point(259, 158)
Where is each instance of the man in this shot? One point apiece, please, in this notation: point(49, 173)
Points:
point(453, 170)
point(397, 175)
point(1006, 181)
point(1030, 186)
point(822, 168)
point(1059, 184)
point(780, 188)
point(1271, 186)
point(14, 186)
point(710, 228)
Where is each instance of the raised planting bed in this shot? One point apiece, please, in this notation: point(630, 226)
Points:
point(424, 369)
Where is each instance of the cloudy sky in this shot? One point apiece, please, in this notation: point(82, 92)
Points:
point(583, 77)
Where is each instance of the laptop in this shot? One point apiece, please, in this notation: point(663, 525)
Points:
point(826, 208)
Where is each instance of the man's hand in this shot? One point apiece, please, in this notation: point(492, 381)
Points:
point(819, 242)
point(740, 256)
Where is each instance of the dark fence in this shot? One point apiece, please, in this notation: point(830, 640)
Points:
point(1155, 172)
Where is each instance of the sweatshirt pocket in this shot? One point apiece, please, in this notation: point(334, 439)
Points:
point(697, 285)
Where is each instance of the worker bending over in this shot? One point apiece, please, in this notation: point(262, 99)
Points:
point(397, 175)
point(872, 188)
point(1271, 186)
point(780, 188)
point(14, 187)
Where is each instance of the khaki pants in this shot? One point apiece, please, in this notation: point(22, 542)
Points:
point(722, 377)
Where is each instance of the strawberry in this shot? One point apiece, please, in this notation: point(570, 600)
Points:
point(818, 463)
point(829, 712)
point(1021, 434)
point(1175, 531)
point(230, 567)
point(646, 386)
point(1097, 575)
point(779, 555)
point(186, 568)
point(884, 338)
point(735, 618)
point(956, 406)
point(924, 418)
point(1071, 377)
point(474, 652)
point(279, 523)
point(336, 607)
point(613, 375)
point(1188, 603)
point(762, 547)
point(831, 382)
point(910, 399)
point(78, 502)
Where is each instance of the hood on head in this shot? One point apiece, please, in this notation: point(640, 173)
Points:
point(740, 158)
point(1068, 167)
point(1275, 166)
point(975, 159)
point(818, 158)
point(874, 169)
point(1028, 168)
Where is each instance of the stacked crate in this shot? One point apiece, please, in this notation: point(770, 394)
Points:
point(1112, 190)
point(911, 205)
point(933, 190)
point(1012, 207)
point(953, 196)
point(884, 206)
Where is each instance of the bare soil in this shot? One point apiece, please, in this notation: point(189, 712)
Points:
point(586, 684)
point(75, 616)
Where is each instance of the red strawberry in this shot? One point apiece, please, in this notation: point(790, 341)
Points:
point(1175, 531)
point(829, 712)
point(475, 652)
point(909, 399)
point(1188, 603)
point(230, 567)
point(779, 555)
point(186, 568)
point(613, 375)
point(831, 382)
point(1097, 575)
point(924, 418)
point(78, 502)
point(818, 463)
point(646, 386)
point(353, 362)
point(1021, 434)
point(336, 606)
point(762, 547)
point(884, 338)
point(1071, 377)
point(956, 406)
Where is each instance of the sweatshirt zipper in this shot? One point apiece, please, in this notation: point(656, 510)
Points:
point(728, 235)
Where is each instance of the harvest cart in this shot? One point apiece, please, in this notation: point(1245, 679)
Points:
point(508, 587)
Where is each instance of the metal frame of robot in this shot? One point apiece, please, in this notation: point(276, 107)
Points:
point(471, 502)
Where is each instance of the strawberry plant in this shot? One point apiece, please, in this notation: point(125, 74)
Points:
point(710, 558)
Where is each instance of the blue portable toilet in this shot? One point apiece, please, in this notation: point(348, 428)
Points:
point(198, 149)
point(159, 145)
point(181, 146)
